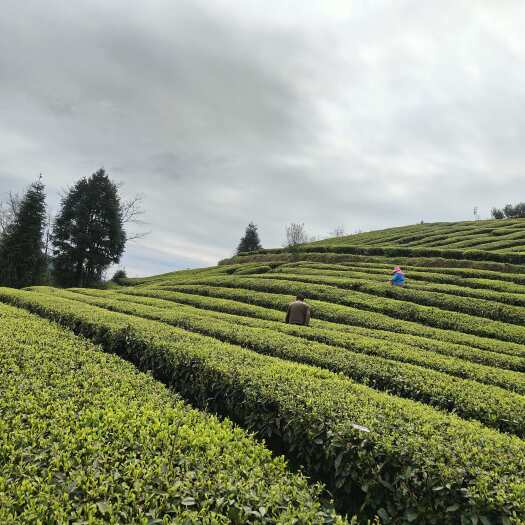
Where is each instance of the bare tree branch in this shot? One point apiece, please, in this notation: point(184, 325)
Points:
point(338, 231)
point(131, 210)
point(135, 236)
point(8, 211)
point(295, 234)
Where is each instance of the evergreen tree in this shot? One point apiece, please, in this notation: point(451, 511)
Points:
point(22, 259)
point(88, 234)
point(250, 242)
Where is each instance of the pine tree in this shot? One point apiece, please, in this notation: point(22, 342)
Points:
point(22, 259)
point(88, 233)
point(250, 242)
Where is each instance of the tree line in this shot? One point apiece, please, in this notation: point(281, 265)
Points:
point(509, 211)
point(76, 248)
point(295, 235)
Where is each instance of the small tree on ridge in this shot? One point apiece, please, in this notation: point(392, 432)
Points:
point(250, 242)
point(295, 234)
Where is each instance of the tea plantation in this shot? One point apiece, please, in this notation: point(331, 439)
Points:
point(185, 398)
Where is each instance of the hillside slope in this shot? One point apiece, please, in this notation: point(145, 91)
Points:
point(407, 403)
point(491, 235)
point(495, 240)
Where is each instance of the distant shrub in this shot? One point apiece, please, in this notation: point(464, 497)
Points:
point(253, 270)
point(120, 277)
point(509, 211)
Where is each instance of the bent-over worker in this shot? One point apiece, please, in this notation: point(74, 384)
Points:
point(298, 312)
point(398, 277)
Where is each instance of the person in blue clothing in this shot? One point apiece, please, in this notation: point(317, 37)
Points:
point(398, 277)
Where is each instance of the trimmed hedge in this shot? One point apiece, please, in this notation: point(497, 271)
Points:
point(434, 317)
point(407, 461)
point(468, 305)
point(430, 262)
point(325, 331)
point(85, 438)
point(252, 270)
point(499, 291)
point(402, 251)
point(334, 313)
point(491, 405)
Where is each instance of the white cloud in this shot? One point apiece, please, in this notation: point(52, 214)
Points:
point(366, 114)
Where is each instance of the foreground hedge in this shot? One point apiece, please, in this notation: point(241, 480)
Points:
point(492, 406)
point(409, 462)
point(85, 438)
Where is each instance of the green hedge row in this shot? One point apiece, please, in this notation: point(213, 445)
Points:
point(325, 331)
point(402, 251)
point(476, 279)
point(431, 262)
point(468, 305)
point(511, 298)
point(420, 276)
point(393, 308)
point(368, 362)
point(514, 282)
point(407, 461)
point(346, 315)
point(427, 233)
point(451, 235)
point(85, 438)
point(252, 270)
point(517, 276)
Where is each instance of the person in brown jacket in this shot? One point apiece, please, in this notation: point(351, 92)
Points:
point(298, 312)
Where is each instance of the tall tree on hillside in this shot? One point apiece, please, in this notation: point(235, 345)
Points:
point(250, 242)
point(22, 259)
point(88, 233)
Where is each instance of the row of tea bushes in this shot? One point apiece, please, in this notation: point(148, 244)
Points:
point(490, 405)
point(496, 291)
point(416, 350)
point(85, 438)
point(394, 310)
point(480, 307)
point(271, 305)
point(404, 460)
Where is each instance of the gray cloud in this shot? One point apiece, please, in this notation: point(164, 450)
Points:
point(367, 115)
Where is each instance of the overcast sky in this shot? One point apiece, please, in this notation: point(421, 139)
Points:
point(366, 114)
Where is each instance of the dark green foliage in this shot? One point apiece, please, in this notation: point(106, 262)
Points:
point(497, 214)
point(514, 212)
point(250, 242)
point(119, 277)
point(250, 270)
point(331, 252)
point(22, 258)
point(88, 234)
